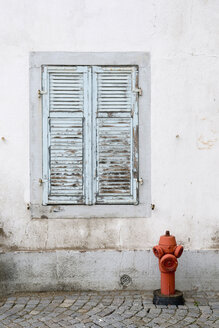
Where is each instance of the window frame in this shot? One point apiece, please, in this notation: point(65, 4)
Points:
point(37, 60)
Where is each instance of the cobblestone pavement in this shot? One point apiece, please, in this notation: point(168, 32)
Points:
point(107, 309)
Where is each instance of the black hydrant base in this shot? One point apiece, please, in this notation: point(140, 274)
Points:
point(160, 299)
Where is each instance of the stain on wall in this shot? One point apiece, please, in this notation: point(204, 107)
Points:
point(215, 240)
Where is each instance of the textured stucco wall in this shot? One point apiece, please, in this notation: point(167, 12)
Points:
point(182, 38)
point(102, 270)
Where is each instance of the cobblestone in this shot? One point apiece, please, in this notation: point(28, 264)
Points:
point(107, 309)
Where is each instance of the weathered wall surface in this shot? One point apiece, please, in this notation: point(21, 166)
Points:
point(182, 38)
point(102, 270)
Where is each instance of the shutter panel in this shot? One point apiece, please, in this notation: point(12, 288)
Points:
point(65, 107)
point(115, 135)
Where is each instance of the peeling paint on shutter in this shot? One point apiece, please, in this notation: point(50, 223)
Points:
point(115, 135)
point(65, 108)
point(90, 135)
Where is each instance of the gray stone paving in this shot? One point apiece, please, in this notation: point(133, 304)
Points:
point(107, 309)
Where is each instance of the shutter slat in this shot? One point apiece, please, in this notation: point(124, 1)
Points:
point(75, 170)
point(63, 164)
point(73, 85)
point(116, 178)
point(69, 156)
point(120, 156)
point(117, 91)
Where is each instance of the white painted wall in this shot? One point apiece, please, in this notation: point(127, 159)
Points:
point(182, 37)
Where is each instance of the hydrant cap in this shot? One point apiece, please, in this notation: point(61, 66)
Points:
point(168, 263)
point(178, 251)
point(158, 251)
point(167, 240)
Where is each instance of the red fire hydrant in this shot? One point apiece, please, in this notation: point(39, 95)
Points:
point(167, 251)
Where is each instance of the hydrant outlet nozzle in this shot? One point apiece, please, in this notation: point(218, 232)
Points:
point(178, 251)
point(158, 251)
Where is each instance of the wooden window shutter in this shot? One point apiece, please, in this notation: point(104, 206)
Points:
point(65, 132)
point(115, 135)
point(90, 135)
